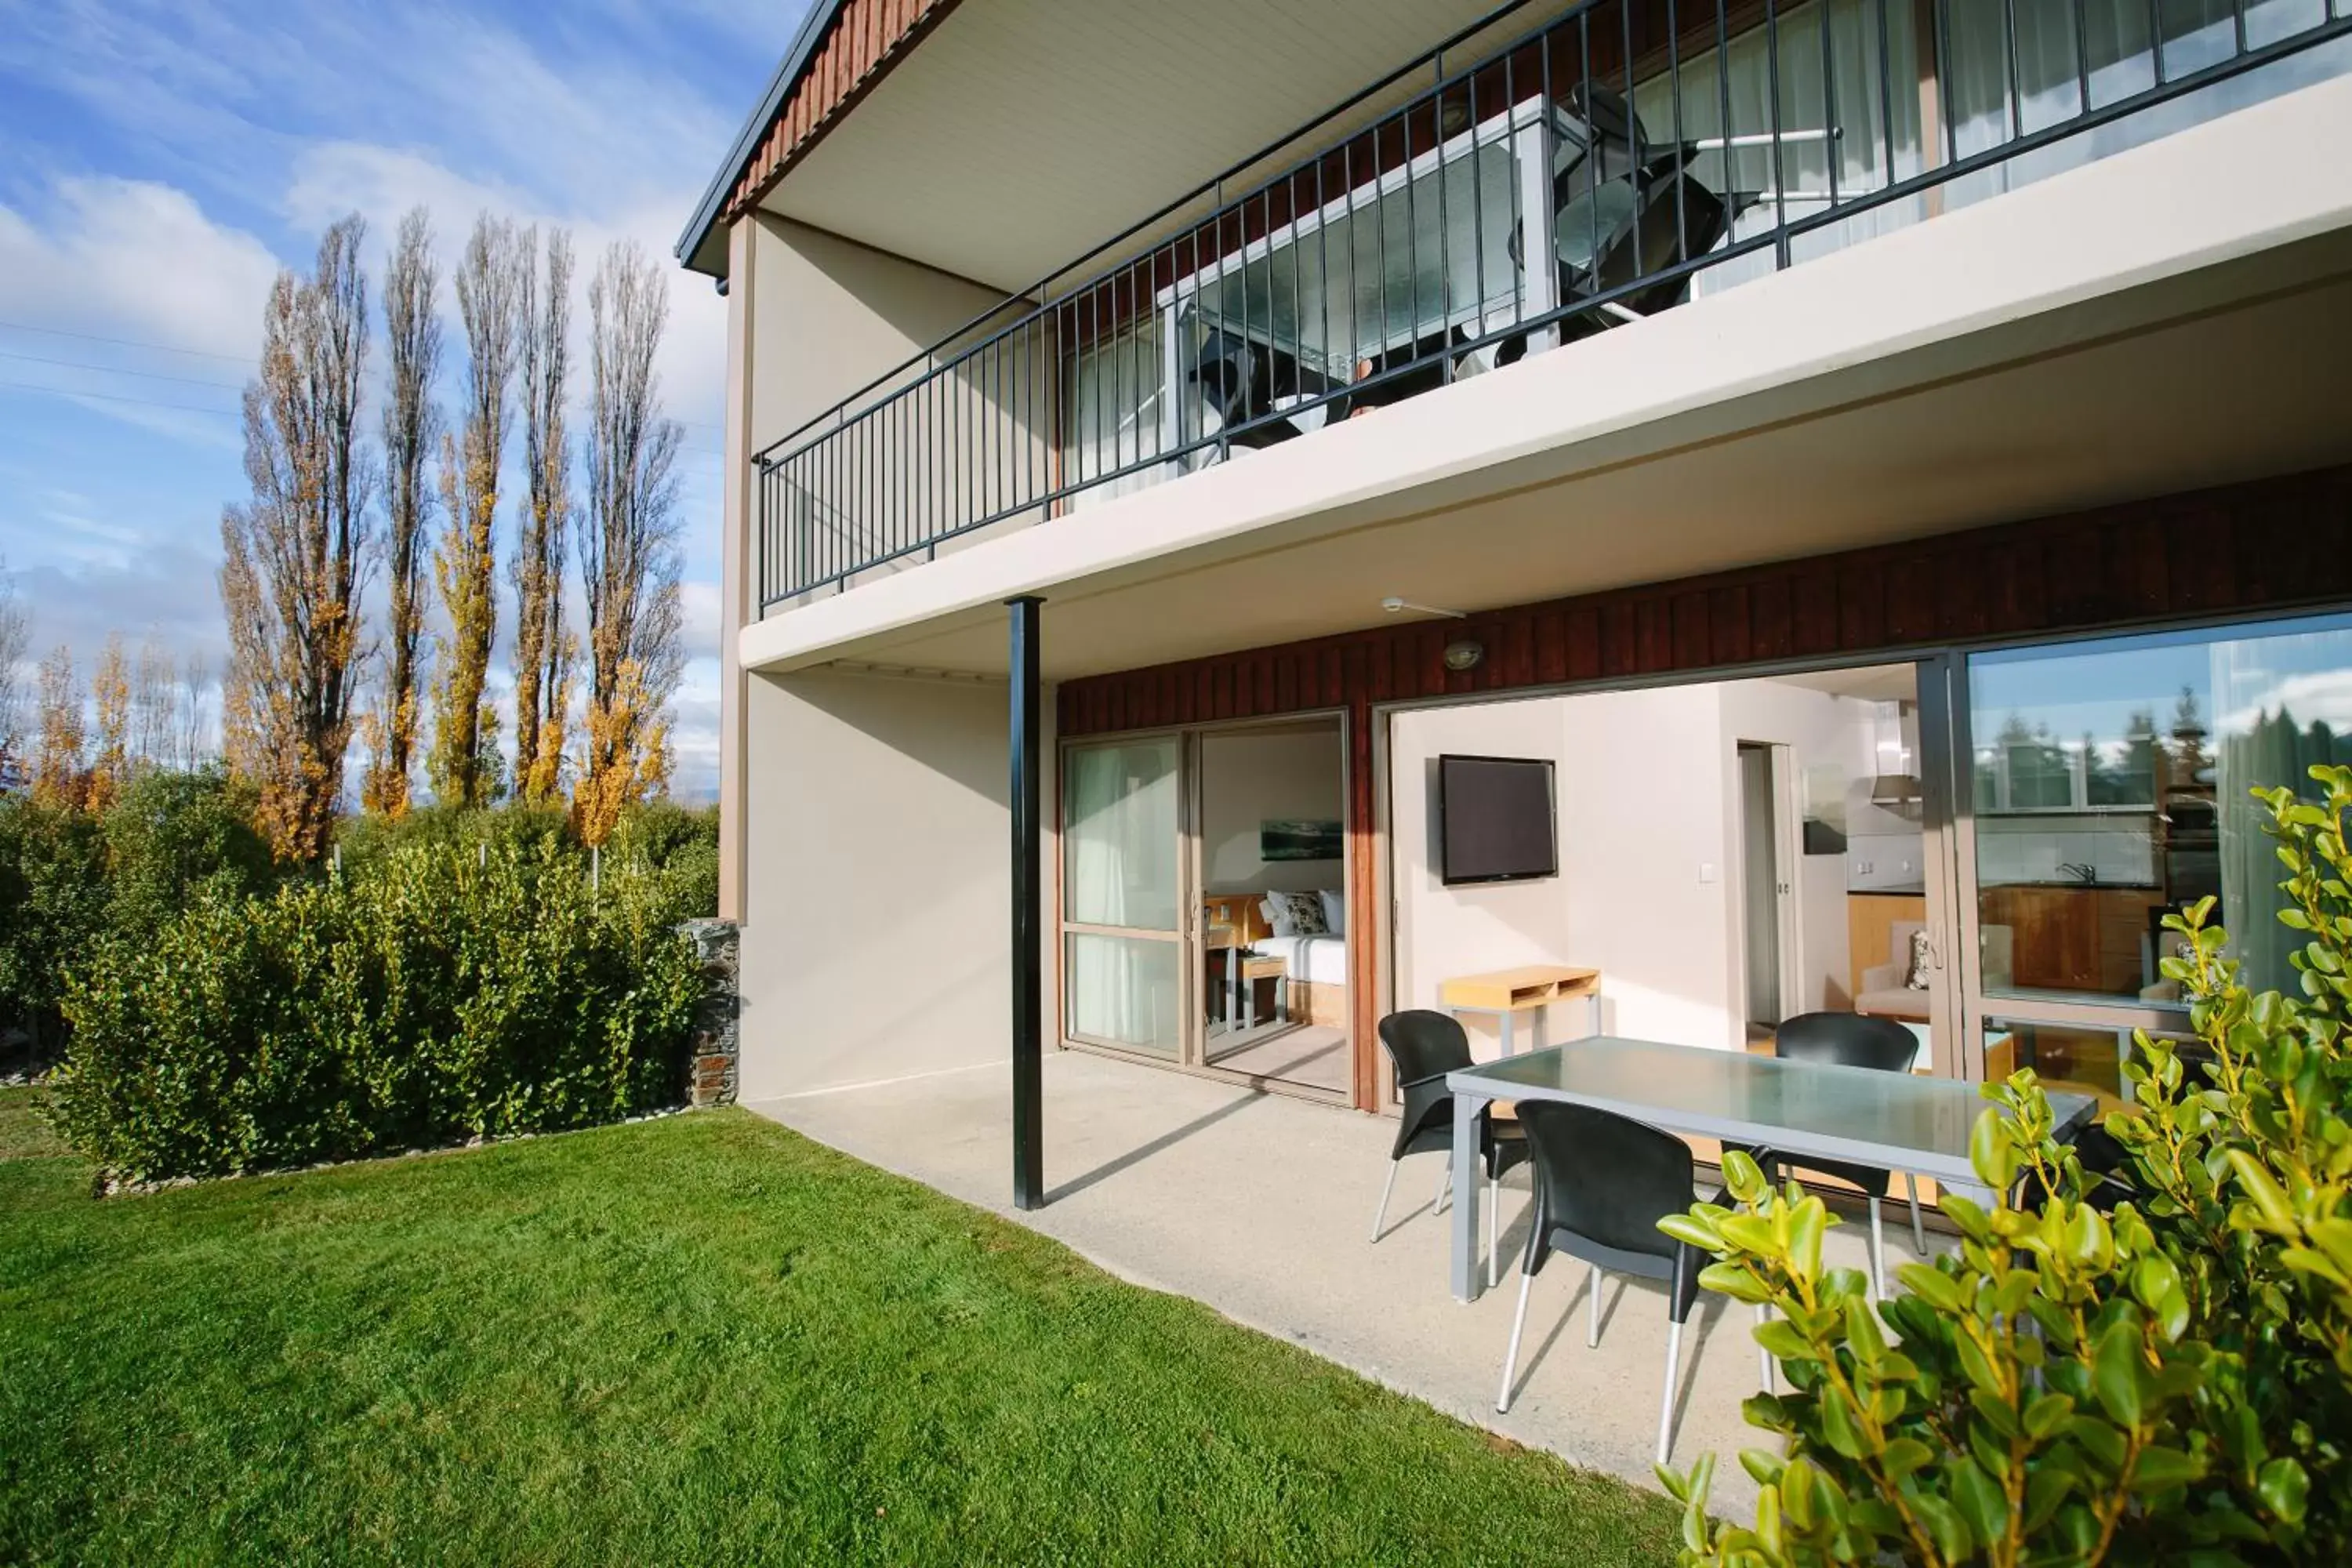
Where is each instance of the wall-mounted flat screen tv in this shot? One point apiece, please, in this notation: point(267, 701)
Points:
point(1495, 819)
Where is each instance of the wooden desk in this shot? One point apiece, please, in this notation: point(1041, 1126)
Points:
point(1505, 994)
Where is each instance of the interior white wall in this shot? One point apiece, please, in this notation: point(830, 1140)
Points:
point(1649, 889)
point(1442, 930)
point(876, 931)
point(1816, 727)
point(1250, 776)
point(1646, 866)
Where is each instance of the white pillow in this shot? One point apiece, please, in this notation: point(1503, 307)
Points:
point(1335, 912)
point(1293, 914)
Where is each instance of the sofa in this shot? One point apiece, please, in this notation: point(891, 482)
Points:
point(1884, 993)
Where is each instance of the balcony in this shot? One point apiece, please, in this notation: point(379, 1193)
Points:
point(1612, 163)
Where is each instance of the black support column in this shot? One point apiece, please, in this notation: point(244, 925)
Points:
point(1028, 894)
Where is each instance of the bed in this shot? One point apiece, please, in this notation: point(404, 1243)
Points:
point(1316, 966)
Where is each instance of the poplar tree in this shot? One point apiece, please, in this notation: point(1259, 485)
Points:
point(464, 763)
point(293, 557)
point(543, 647)
point(110, 766)
point(57, 776)
point(413, 350)
point(629, 560)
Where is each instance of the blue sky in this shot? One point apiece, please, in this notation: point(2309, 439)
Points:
point(163, 160)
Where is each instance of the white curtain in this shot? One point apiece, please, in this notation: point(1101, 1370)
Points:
point(1113, 395)
point(1868, 91)
point(1119, 869)
point(1864, 89)
point(2113, 54)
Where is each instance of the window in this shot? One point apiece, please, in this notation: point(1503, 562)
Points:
point(2112, 785)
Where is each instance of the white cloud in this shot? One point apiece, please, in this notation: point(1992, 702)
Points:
point(251, 127)
point(2311, 696)
point(134, 259)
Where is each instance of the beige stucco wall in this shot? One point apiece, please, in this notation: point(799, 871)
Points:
point(831, 316)
point(876, 930)
point(811, 319)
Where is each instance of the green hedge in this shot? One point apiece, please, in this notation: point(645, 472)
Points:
point(434, 991)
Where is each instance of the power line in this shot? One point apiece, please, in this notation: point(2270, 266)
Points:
point(194, 409)
point(116, 397)
point(118, 370)
point(126, 342)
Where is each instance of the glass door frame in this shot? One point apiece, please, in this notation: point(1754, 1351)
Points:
point(1981, 1010)
point(1185, 934)
point(1190, 934)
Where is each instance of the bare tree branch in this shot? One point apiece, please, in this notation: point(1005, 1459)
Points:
point(15, 641)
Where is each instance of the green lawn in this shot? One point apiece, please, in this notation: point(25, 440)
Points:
point(696, 1340)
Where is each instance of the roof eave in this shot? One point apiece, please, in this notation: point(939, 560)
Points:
point(701, 249)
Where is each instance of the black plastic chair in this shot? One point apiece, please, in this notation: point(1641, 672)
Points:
point(1853, 1040)
point(1624, 207)
point(1423, 1046)
point(1602, 1181)
point(1240, 380)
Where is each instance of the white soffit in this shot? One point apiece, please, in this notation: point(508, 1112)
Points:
point(1022, 133)
point(2087, 340)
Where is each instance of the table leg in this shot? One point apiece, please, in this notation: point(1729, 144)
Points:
point(1506, 1015)
point(1536, 1024)
point(1233, 989)
point(1592, 1014)
point(1469, 1115)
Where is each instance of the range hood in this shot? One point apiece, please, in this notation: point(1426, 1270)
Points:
point(1897, 793)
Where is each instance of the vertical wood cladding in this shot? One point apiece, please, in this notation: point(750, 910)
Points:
point(2276, 543)
point(867, 38)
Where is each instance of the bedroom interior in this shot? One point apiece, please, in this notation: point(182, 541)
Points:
point(1274, 884)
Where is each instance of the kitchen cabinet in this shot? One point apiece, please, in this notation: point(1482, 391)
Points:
point(2071, 937)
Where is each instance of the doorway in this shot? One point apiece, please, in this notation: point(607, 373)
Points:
point(1730, 853)
point(1769, 938)
point(1204, 900)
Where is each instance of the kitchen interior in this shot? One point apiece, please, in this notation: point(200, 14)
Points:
point(2081, 850)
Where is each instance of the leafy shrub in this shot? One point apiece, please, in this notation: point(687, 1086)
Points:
point(366, 840)
point(673, 847)
point(678, 848)
point(2172, 1382)
point(431, 995)
point(53, 909)
point(174, 837)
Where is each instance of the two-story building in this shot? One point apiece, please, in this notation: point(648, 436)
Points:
point(1815, 505)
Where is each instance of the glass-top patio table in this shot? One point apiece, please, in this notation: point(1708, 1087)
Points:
point(1899, 1122)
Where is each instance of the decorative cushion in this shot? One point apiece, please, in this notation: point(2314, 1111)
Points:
point(1335, 912)
point(1916, 973)
point(1293, 914)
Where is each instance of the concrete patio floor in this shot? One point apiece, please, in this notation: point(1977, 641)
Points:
point(1261, 1207)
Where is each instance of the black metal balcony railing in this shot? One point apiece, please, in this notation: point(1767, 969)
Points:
point(1639, 151)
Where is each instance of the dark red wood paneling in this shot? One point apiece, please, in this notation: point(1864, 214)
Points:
point(2276, 543)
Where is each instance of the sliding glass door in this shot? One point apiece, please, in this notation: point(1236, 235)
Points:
point(1124, 970)
point(2109, 783)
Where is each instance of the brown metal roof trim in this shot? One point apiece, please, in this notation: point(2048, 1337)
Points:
point(866, 40)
